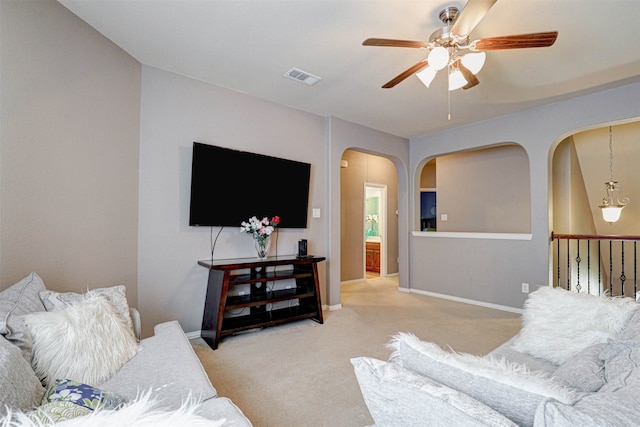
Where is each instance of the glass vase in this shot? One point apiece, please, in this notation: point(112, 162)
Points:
point(371, 231)
point(263, 243)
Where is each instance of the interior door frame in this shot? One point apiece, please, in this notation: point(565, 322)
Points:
point(382, 228)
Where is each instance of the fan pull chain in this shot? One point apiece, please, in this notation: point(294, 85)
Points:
point(448, 94)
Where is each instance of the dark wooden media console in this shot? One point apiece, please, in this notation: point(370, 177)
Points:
point(253, 304)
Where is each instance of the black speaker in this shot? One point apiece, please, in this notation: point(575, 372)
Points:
point(302, 247)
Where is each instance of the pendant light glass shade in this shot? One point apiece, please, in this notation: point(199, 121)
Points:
point(611, 214)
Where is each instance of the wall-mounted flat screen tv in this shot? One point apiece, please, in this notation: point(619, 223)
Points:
point(230, 186)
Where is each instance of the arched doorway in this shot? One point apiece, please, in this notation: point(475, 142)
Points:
point(360, 171)
point(580, 167)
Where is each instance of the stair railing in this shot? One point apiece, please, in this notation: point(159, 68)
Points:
point(596, 263)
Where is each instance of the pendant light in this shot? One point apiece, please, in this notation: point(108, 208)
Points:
point(611, 205)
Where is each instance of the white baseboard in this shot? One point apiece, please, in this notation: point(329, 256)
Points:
point(464, 300)
point(193, 335)
point(196, 334)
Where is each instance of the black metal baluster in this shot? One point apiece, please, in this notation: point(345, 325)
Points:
point(623, 278)
point(578, 259)
point(588, 266)
point(558, 256)
point(568, 266)
point(599, 268)
point(610, 267)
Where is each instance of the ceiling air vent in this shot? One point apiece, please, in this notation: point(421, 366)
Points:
point(302, 76)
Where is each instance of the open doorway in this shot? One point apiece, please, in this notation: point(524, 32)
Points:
point(360, 171)
point(581, 167)
point(374, 233)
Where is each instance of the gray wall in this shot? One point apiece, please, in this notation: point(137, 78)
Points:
point(491, 271)
point(484, 190)
point(69, 135)
point(75, 128)
point(176, 111)
point(96, 158)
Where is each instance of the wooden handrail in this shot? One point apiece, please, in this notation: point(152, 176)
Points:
point(592, 237)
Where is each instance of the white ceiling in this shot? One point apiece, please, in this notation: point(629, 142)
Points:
point(247, 45)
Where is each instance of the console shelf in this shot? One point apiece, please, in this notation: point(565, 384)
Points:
point(256, 303)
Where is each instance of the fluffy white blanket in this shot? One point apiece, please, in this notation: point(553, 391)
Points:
point(142, 412)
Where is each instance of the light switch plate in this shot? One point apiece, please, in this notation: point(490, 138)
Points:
point(315, 212)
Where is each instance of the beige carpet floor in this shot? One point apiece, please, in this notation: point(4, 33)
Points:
point(299, 374)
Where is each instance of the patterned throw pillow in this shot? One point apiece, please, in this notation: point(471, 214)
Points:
point(83, 395)
point(56, 412)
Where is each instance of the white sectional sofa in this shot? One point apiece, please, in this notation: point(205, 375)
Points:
point(53, 351)
point(575, 362)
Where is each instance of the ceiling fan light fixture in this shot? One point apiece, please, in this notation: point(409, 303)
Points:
point(474, 61)
point(456, 79)
point(438, 58)
point(427, 75)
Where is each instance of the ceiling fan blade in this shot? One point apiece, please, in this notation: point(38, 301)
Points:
point(471, 78)
point(471, 15)
point(407, 73)
point(394, 43)
point(520, 41)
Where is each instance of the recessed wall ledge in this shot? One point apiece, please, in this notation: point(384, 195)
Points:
point(470, 235)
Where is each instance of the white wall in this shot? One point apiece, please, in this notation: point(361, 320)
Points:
point(68, 150)
point(176, 111)
point(494, 275)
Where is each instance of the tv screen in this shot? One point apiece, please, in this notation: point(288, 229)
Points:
point(230, 186)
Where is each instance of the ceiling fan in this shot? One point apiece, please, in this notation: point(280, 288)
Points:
point(449, 47)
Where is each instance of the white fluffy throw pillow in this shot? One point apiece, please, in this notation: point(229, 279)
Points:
point(116, 295)
point(557, 324)
point(87, 342)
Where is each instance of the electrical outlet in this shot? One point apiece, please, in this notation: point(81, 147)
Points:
point(525, 288)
